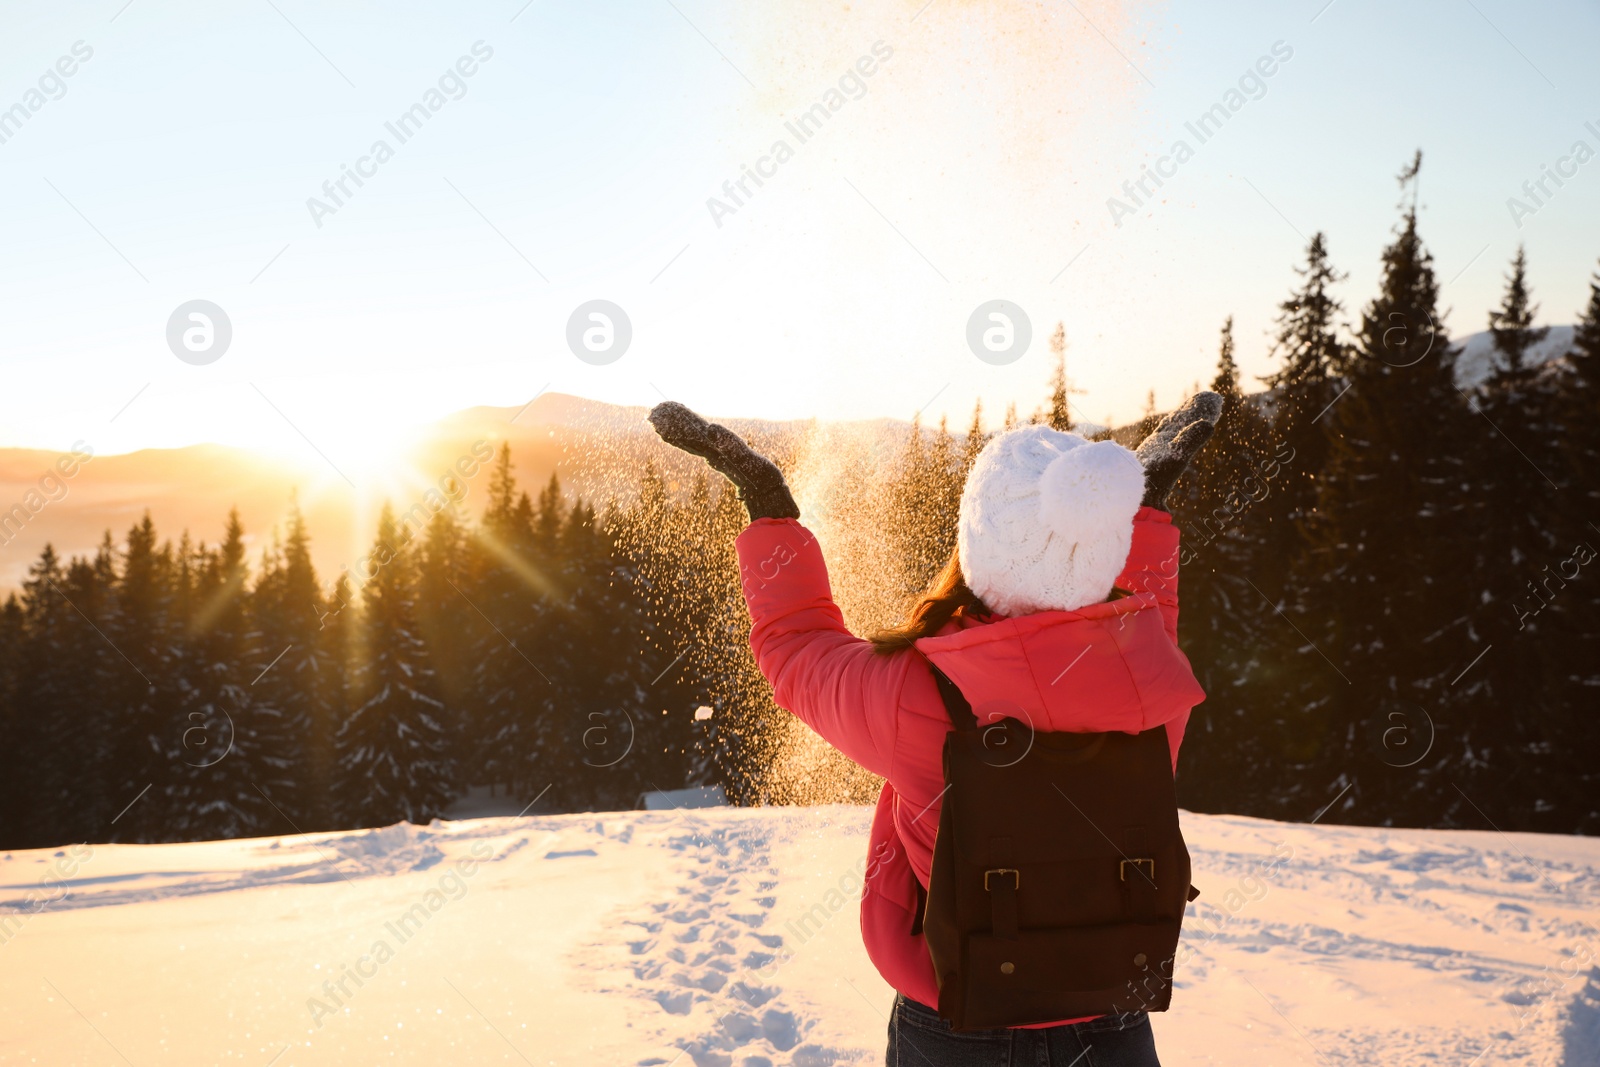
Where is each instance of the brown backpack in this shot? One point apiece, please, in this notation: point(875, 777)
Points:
point(1059, 873)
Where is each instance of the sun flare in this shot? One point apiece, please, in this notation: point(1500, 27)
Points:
point(358, 467)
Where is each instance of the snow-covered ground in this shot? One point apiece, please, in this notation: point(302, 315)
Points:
point(729, 937)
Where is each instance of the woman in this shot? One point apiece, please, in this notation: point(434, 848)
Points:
point(1061, 600)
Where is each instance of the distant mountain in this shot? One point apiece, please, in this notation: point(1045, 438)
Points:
point(193, 488)
point(547, 411)
point(597, 449)
point(1476, 361)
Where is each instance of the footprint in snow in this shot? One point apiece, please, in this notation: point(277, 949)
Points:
point(781, 1030)
point(741, 1029)
point(709, 981)
point(676, 1003)
point(702, 1056)
point(753, 995)
point(817, 1056)
point(705, 952)
point(698, 915)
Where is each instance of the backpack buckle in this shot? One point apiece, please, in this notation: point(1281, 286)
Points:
point(1122, 868)
point(1015, 874)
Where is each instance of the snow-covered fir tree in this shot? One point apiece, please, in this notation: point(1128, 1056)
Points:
point(235, 760)
point(291, 670)
point(393, 749)
point(1387, 616)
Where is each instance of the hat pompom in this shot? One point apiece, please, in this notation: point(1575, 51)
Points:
point(1091, 490)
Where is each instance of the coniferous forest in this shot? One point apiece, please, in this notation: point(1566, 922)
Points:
point(1389, 592)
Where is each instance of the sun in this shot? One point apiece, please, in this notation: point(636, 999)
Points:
point(368, 462)
point(372, 451)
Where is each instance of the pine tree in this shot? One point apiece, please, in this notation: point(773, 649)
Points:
point(287, 610)
point(599, 721)
point(91, 749)
point(1584, 357)
point(1215, 504)
point(394, 753)
point(1060, 417)
point(58, 729)
point(973, 443)
point(337, 640)
point(1387, 616)
point(1581, 428)
point(547, 527)
point(211, 790)
point(624, 735)
point(1514, 468)
point(1302, 391)
point(1148, 420)
point(1511, 325)
point(504, 590)
point(1519, 399)
point(142, 693)
point(448, 626)
point(1266, 705)
point(239, 772)
point(14, 733)
point(1574, 630)
point(942, 493)
point(547, 646)
point(910, 533)
point(1226, 382)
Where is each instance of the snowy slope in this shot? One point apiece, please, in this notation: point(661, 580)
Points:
point(677, 938)
point(1476, 361)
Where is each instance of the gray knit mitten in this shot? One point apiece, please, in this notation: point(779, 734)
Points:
point(1179, 437)
point(760, 483)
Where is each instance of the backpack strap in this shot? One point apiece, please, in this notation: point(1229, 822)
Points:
point(956, 705)
point(1002, 880)
point(959, 710)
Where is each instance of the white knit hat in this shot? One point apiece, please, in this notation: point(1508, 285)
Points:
point(1047, 520)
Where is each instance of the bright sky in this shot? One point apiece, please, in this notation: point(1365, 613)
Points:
point(575, 163)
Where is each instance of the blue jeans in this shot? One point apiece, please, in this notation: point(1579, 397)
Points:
point(919, 1038)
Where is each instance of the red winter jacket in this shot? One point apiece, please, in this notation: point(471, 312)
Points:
point(1108, 666)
